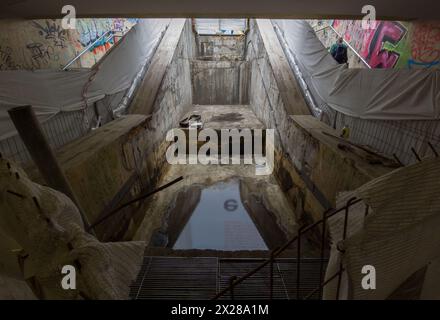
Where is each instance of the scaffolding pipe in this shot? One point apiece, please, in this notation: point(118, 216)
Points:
point(31, 133)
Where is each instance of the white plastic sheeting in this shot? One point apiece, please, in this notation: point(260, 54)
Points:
point(398, 237)
point(384, 94)
point(50, 92)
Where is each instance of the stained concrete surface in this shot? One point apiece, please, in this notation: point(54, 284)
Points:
point(270, 210)
point(219, 117)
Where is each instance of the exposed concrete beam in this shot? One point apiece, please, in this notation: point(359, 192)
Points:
point(31, 133)
point(145, 97)
point(299, 9)
point(288, 87)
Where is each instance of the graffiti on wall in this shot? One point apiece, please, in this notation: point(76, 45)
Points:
point(41, 55)
point(380, 50)
point(42, 44)
point(124, 24)
point(6, 62)
point(52, 31)
point(393, 44)
point(425, 45)
point(90, 30)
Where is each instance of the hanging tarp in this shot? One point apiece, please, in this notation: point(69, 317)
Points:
point(398, 237)
point(384, 94)
point(52, 91)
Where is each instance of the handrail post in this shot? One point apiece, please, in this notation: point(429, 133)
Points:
point(272, 257)
point(277, 252)
point(321, 265)
point(298, 264)
point(231, 285)
point(433, 149)
point(344, 236)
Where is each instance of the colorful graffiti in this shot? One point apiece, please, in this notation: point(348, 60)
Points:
point(124, 24)
point(44, 44)
point(378, 53)
point(425, 45)
point(90, 30)
point(393, 44)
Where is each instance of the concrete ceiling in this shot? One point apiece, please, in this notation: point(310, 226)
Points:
point(386, 9)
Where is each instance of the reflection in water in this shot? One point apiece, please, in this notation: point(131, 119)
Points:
point(220, 222)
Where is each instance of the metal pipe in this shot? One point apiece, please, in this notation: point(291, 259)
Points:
point(321, 265)
point(291, 59)
point(298, 264)
point(272, 258)
point(31, 133)
point(87, 49)
point(398, 160)
point(231, 283)
point(344, 236)
point(433, 149)
point(281, 249)
point(141, 197)
point(415, 154)
point(322, 285)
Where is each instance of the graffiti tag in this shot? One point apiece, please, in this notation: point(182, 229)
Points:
point(425, 47)
point(6, 62)
point(52, 32)
point(41, 55)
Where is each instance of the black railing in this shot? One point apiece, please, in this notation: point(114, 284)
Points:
point(234, 281)
point(276, 252)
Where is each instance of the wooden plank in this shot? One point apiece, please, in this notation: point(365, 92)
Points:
point(288, 87)
point(145, 97)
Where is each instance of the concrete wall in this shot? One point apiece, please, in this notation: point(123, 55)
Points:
point(220, 82)
point(220, 47)
point(116, 161)
point(44, 44)
point(310, 166)
point(174, 97)
point(100, 164)
point(219, 73)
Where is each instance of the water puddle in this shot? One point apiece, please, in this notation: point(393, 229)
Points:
point(220, 222)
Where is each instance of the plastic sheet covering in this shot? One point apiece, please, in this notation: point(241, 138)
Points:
point(51, 91)
point(383, 94)
point(399, 236)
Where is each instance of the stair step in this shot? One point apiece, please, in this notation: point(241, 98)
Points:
point(201, 278)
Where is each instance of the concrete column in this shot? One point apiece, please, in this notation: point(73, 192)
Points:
point(35, 141)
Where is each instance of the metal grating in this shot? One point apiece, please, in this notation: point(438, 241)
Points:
point(256, 287)
point(201, 278)
point(176, 278)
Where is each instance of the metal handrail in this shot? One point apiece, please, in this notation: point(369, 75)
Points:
point(276, 252)
point(347, 43)
point(89, 47)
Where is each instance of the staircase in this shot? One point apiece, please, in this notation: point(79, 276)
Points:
point(198, 278)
